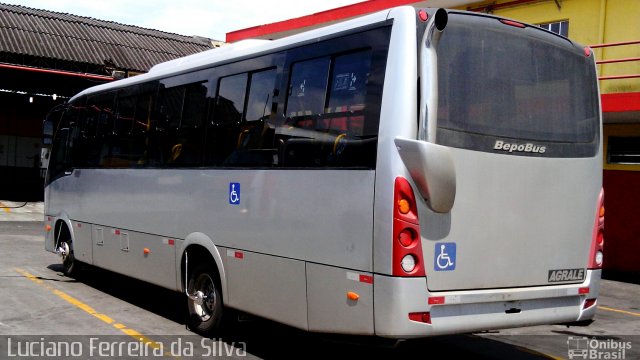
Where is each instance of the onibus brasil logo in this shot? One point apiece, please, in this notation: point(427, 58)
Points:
point(581, 347)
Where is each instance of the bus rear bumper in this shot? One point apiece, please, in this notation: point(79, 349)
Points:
point(454, 312)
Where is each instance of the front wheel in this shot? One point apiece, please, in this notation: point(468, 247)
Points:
point(205, 300)
point(70, 265)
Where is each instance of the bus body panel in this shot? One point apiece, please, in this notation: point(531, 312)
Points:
point(83, 250)
point(273, 215)
point(340, 300)
point(477, 310)
point(398, 117)
point(514, 220)
point(523, 211)
point(131, 252)
point(269, 286)
point(254, 228)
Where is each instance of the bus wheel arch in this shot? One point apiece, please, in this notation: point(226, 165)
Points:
point(202, 280)
point(197, 246)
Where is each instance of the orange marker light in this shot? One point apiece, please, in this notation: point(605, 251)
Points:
point(47, 228)
point(146, 251)
point(602, 211)
point(404, 206)
point(353, 296)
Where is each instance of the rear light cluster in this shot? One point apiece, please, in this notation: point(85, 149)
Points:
point(513, 23)
point(424, 317)
point(407, 247)
point(597, 242)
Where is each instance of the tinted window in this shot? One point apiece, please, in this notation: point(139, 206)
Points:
point(497, 82)
point(254, 146)
point(77, 141)
point(171, 100)
point(241, 134)
point(331, 120)
point(307, 90)
point(59, 162)
point(179, 137)
point(348, 91)
point(326, 114)
point(61, 159)
point(261, 90)
point(100, 119)
point(230, 99)
point(190, 133)
point(126, 111)
point(222, 137)
point(127, 143)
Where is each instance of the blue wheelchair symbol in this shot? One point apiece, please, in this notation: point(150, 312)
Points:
point(445, 257)
point(234, 193)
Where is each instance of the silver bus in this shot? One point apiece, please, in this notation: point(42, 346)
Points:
point(403, 174)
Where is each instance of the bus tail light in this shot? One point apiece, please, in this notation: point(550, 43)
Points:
point(588, 303)
point(597, 242)
point(424, 317)
point(407, 247)
point(513, 23)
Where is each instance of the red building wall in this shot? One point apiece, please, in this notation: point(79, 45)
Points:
point(622, 220)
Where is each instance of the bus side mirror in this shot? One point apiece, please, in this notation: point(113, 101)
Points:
point(431, 168)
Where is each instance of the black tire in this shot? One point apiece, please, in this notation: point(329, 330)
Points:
point(205, 318)
point(70, 266)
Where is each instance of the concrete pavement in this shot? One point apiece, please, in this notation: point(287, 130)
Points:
point(21, 211)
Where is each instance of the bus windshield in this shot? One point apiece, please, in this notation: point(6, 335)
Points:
point(497, 80)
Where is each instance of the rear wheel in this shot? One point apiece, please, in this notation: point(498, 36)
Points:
point(205, 301)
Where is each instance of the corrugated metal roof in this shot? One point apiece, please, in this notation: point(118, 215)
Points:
point(48, 34)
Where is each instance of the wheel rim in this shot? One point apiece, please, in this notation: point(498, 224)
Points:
point(67, 260)
point(207, 308)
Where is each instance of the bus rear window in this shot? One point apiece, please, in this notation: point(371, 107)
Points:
point(504, 82)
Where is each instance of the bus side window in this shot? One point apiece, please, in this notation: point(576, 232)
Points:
point(228, 109)
point(58, 162)
point(300, 144)
point(255, 139)
point(127, 147)
point(100, 112)
point(170, 114)
point(93, 142)
point(76, 142)
point(347, 95)
point(346, 109)
point(69, 143)
point(145, 119)
point(190, 133)
point(307, 91)
point(325, 122)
